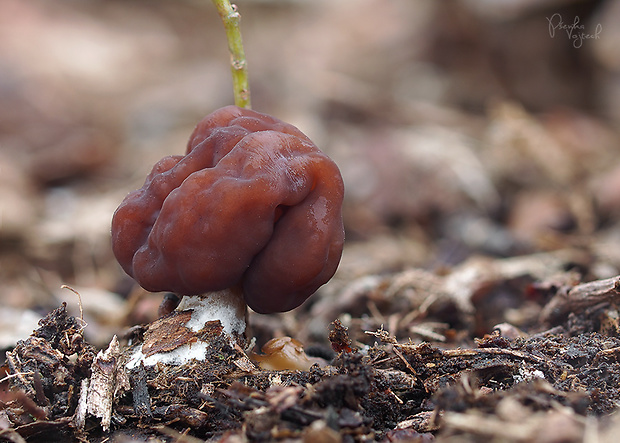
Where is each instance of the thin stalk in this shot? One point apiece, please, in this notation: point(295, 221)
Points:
point(238, 65)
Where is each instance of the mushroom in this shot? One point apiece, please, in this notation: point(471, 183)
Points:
point(250, 215)
point(283, 353)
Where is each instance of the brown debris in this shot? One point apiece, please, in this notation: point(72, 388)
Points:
point(43, 373)
point(389, 391)
point(580, 297)
point(140, 393)
point(339, 338)
point(168, 333)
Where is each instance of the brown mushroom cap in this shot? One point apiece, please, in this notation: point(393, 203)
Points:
point(253, 203)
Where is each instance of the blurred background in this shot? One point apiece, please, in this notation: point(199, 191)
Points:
point(461, 128)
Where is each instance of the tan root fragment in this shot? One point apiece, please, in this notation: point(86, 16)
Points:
point(105, 381)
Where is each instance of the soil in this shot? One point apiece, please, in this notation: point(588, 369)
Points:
point(477, 297)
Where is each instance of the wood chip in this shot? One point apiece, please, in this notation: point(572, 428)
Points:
point(103, 383)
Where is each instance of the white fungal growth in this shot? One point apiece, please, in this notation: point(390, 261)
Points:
point(215, 306)
point(182, 354)
point(227, 306)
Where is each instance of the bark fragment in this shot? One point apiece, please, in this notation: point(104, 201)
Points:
point(103, 383)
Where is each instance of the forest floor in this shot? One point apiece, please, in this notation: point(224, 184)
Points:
point(477, 297)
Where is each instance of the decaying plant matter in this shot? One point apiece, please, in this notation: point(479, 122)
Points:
point(386, 389)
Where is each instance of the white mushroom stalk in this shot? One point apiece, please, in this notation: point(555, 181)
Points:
point(184, 335)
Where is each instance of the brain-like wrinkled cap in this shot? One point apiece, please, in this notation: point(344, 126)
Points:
point(253, 203)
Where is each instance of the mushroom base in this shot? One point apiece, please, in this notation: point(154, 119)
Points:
point(184, 334)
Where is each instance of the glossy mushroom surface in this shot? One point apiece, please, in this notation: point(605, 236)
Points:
point(253, 203)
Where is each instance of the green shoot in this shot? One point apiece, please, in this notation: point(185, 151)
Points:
point(238, 65)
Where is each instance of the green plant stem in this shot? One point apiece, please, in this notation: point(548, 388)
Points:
point(238, 65)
